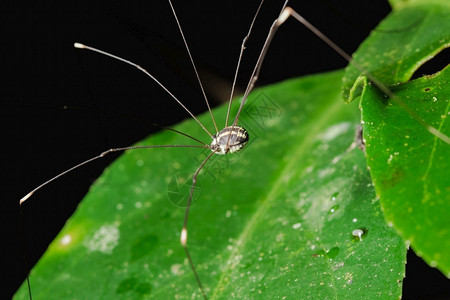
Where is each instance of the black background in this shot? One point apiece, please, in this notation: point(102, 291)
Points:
point(110, 104)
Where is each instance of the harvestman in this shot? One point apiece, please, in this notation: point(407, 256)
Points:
point(232, 138)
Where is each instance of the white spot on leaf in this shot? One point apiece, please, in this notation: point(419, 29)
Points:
point(326, 172)
point(297, 225)
point(176, 269)
point(390, 159)
point(65, 240)
point(104, 240)
point(334, 131)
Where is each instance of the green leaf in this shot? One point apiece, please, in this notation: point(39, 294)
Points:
point(409, 166)
point(397, 3)
point(275, 220)
point(402, 42)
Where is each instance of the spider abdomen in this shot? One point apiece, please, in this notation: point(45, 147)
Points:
point(229, 140)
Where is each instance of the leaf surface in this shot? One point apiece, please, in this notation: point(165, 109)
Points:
point(401, 43)
point(409, 166)
point(275, 220)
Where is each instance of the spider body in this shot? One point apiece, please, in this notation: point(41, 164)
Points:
point(231, 139)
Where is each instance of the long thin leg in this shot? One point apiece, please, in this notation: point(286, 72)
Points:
point(257, 69)
point(244, 41)
point(181, 133)
point(67, 107)
point(183, 236)
point(193, 65)
point(290, 12)
point(103, 154)
point(284, 15)
point(81, 46)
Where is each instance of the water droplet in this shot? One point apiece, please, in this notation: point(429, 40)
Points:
point(333, 252)
point(334, 196)
point(359, 234)
point(333, 209)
